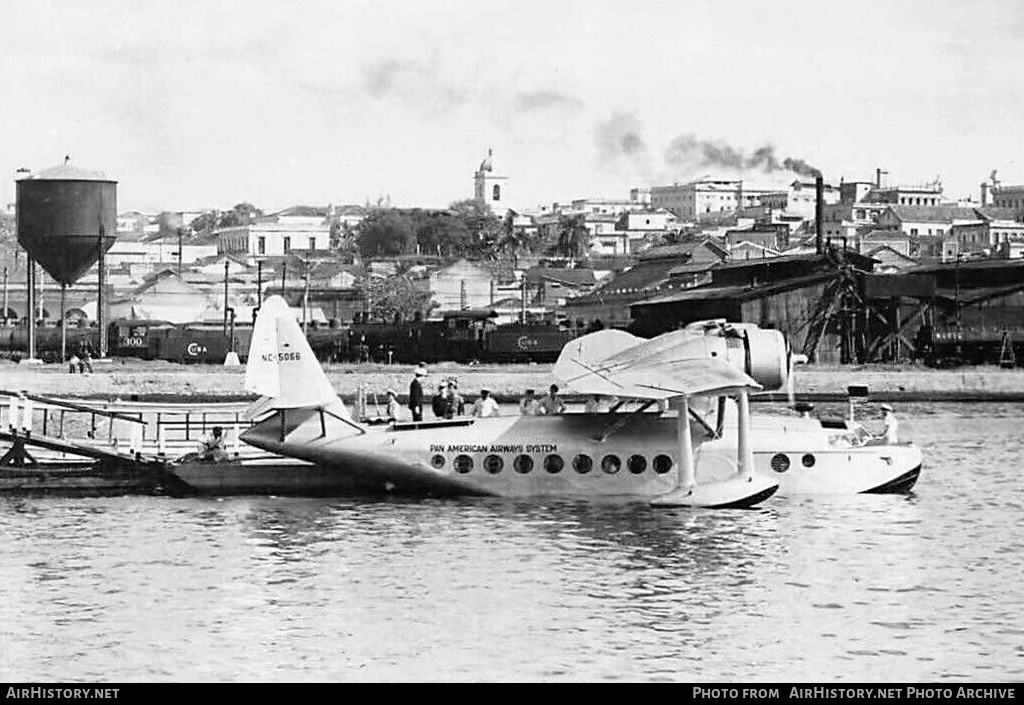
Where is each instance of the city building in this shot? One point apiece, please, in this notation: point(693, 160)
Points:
point(490, 186)
point(800, 198)
point(695, 199)
point(992, 233)
point(657, 270)
point(298, 227)
point(925, 195)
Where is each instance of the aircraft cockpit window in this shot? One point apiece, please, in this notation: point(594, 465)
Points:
point(554, 464)
point(463, 464)
point(582, 464)
point(636, 464)
point(437, 461)
point(493, 464)
point(523, 464)
point(662, 464)
point(611, 464)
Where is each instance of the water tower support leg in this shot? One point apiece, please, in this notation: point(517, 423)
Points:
point(63, 325)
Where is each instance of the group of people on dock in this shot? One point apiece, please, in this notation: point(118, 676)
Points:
point(448, 403)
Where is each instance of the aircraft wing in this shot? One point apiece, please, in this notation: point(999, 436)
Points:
point(623, 365)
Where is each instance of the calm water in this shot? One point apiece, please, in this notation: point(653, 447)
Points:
point(865, 588)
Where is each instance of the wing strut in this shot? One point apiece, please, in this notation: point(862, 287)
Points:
point(744, 489)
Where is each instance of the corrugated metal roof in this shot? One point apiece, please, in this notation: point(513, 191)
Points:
point(737, 292)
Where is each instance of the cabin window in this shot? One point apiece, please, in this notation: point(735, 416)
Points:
point(636, 464)
point(523, 464)
point(493, 464)
point(611, 464)
point(662, 464)
point(497, 192)
point(554, 464)
point(582, 464)
point(808, 460)
point(463, 464)
point(437, 461)
point(780, 462)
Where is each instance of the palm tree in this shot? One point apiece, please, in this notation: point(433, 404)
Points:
point(574, 238)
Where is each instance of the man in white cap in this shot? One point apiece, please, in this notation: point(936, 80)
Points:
point(891, 433)
point(485, 406)
point(416, 393)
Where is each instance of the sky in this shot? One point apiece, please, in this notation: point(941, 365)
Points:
point(192, 105)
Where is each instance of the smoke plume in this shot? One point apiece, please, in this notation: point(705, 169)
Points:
point(690, 154)
point(537, 101)
point(417, 82)
point(621, 145)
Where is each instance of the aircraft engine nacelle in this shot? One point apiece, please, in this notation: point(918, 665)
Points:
point(761, 353)
point(767, 358)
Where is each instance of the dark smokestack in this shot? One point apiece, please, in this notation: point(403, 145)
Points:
point(819, 208)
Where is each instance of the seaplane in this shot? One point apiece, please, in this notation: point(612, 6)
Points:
point(649, 455)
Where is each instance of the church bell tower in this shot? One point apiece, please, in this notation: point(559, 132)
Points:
point(490, 187)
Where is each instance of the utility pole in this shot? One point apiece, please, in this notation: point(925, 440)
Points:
point(259, 291)
point(305, 298)
point(30, 281)
point(5, 298)
point(227, 263)
point(101, 317)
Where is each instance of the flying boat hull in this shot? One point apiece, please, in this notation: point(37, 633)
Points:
point(523, 456)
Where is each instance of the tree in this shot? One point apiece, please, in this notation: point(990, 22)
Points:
point(207, 221)
point(245, 213)
point(169, 223)
point(391, 296)
point(385, 233)
point(573, 238)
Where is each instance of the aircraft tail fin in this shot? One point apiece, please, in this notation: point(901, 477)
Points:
point(282, 366)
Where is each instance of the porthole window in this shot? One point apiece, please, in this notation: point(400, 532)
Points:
point(463, 464)
point(611, 464)
point(662, 464)
point(636, 464)
point(780, 462)
point(808, 460)
point(523, 464)
point(493, 464)
point(554, 464)
point(582, 464)
point(437, 461)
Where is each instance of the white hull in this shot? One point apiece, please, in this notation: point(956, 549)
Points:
point(808, 459)
point(519, 456)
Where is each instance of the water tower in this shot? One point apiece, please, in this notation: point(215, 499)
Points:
point(67, 218)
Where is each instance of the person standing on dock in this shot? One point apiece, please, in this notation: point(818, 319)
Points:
point(394, 408)
point(485, 406)
point(441, 402)
point(892, 425)
point(552, 403)
point(416, 394)
point(456, 404)
point(528, 404)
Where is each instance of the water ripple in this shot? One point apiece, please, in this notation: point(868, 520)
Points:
point(874, 588)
